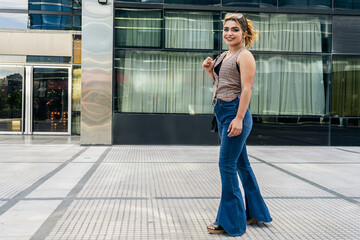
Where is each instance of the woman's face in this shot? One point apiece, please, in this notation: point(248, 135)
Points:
point(232, 33)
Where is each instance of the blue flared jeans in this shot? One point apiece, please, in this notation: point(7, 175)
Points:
point(234, 162)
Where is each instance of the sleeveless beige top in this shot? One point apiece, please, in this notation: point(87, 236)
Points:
point(227, 85)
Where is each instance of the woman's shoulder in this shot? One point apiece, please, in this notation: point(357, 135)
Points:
point(245, 55)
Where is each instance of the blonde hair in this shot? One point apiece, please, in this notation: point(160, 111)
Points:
point(246, 26)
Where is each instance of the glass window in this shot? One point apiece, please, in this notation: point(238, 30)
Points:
point(77, 5)
point(76, 100)
point(141, 1)
point(50, 22)
point(77, 22)
point(289, 85)
point(161, 82)
point(51, 5)
point(9, 4)
point(345, 89)
point(138, 28)
point(305, 3)
point(48, 59)
point(192, 30)
point(199, 2)
point(291, 32)
point(11, 85)
point(13, 20)
point(250, 3)
point(347, 4)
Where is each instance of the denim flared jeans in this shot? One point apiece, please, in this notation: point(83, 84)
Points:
point(234, 162)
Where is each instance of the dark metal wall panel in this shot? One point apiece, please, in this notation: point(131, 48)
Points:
point(163, 129)
point(346, 34)
point(195, 130)
point(289, 131)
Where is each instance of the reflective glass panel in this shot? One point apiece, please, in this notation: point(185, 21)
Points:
point(291, 32)
point(289, 85)
point(50, 22)
point(138, 28)
point(48, 59)
point(51, 5)
point(76, 100)
point(347, 4)
point(50, 100)
point(141, 1)
point(161, 82)
point(77, 5)
point(193, 30)
point(345, 94)
point(199, 2)
point(250, 3)
point(13, 20)
point(9, 4)
point(305, 3)
point(76, 23)
point(11, 91)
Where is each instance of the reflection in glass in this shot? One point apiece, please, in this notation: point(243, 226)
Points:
point(9, 4)
point(50, 100)
point(138, 28)
point(13, 20)
point(199, 2)
point(51, 5)
point(77, 23)
point(305, 3)
point(189, 30)
point(47, 59)
point(290, 32)
point(162, 82)
point(250, 3)
point(50, 22)
point(144, 1)
point(347, 4)
point(76, 100)
point(288, 85)
point(345, 95)
point(11, 83)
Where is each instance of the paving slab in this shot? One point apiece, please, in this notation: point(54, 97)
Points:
point(169, 192)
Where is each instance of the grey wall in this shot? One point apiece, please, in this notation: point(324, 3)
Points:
point(96, 74)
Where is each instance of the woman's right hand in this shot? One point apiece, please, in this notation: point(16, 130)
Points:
point(208, 64)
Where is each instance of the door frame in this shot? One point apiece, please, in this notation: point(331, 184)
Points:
point(29, 99)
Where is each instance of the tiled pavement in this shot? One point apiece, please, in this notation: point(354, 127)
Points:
point(53, 188)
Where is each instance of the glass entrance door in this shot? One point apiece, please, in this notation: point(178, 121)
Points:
point(51, 99)
point(35, 100)
point(11, 99)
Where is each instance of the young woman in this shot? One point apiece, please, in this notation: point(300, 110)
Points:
point(233, 73)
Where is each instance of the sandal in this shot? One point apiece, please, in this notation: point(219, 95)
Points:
point(215, 228)
point(251, 221)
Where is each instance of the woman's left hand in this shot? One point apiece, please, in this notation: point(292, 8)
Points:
point(235, 127)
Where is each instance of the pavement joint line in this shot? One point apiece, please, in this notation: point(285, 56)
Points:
point(329, 163)
point(167, 198)
point(20, 196)
point(345, 150)
point(49, 224)
point(339, 195)
point(30, 162)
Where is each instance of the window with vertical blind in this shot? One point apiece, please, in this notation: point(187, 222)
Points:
point(165, 74)
point(345, 94)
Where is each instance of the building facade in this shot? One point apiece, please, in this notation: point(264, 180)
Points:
point(141, 75)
